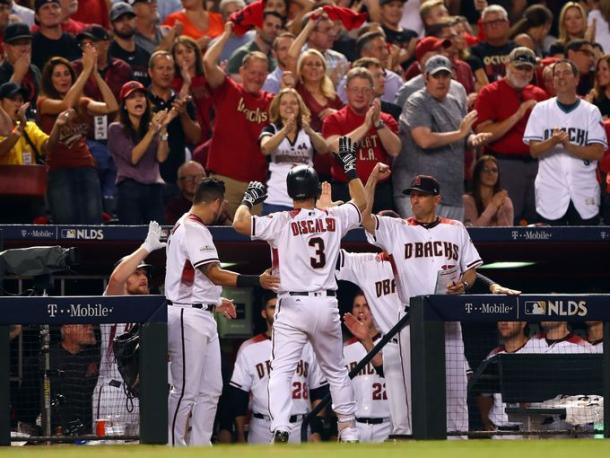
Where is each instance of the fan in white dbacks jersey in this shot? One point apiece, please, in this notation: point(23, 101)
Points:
point(193, 283)
point(307, 240)
point(372, 405)
point(372, 273)
point(421, 246)
point(567, 135)
point(130, 276)
point(250, 382)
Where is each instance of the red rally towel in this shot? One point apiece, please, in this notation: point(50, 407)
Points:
point(350, 19)
point(249, 16)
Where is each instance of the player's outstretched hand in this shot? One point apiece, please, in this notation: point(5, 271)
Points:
point(354, 326)
point(325, 200)
point(255, 194)
point(347, 156)
point(227, 308)
point(499, 289)
point(153, 238)
point(269, 281)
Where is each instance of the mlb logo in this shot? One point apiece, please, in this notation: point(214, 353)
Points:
point(535, 307)
point(68, 233)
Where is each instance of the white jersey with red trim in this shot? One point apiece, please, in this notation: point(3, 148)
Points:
point(369, 387)
point(306, 244)
point(421, 251)
point(190, 246)
point(372, 272)
point(251, 374)
point(571, 343)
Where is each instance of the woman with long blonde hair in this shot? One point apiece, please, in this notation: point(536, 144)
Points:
point(288, 141)
point(572, 26)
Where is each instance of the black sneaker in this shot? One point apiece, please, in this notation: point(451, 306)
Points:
point(280, 437)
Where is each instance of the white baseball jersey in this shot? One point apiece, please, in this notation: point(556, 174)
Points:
point(369, 387)
point(569, 344)
point(251, 374)
point(286, 156)
point(561, 176)
point(312, 239)
point(598, 347)
point(372, 272)
point(190, 246)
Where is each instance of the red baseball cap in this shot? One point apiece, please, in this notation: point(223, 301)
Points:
point(428, 44)
point(129, 87)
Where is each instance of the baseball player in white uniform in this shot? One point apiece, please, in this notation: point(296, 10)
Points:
point(307, 242)
point(567, 135)
point(130, 276)
point(193, 283)
point(420, 247)
point(372, 404)
point(595, 335)
point(250, 380)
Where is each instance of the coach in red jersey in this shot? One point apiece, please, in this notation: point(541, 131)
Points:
point(506, 121)
point(374, 135)
point(241, 113)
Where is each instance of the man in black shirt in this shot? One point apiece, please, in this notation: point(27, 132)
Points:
point(50, 40)
point(405, 39)
point(123, 22)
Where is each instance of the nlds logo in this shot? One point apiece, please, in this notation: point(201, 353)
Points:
point(83, 234)
point(556, 307)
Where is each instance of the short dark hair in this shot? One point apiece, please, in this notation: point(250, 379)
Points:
point(572, 65)
point(575, 45)
point(266, 297)
point(209, 190)
point(436, 30)
point(274, 13)
point(366, 39)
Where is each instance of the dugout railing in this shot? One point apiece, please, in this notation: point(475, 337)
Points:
point(428, 315)
point(150, 311)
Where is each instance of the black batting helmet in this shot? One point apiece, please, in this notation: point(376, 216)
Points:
point(303, 183)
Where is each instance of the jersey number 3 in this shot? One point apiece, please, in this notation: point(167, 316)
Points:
point(320, 260)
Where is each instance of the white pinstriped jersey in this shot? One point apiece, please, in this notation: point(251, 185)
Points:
point(598, 347)
point(251, 374)
point(190, 246)
point(307, 243)
point(369, 387)
point(372, 272)
point(569, 344)
point(419, 251)
point(562, 176)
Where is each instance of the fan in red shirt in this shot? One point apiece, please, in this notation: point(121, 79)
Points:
point(374, 134)
point(506, 122)
point(242, 110)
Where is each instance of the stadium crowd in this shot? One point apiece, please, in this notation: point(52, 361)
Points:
point(127, 105)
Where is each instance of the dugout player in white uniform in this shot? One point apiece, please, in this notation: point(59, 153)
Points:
point(567, 135)
point(421, 246)
point(595, 335)
point(307, 242)
point(193, 283)
point(130, 276)
point(372, 405)
point(250, 380)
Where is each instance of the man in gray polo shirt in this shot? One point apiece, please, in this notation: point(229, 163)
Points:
point(435, 129)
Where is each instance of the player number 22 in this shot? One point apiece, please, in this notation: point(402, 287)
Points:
point(320, 260)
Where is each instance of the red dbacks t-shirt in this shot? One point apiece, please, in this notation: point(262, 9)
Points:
point(369, 150)
point(240, 117)
point(498, 101)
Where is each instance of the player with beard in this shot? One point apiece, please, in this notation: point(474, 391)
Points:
point(123, 23)
point(129, 277)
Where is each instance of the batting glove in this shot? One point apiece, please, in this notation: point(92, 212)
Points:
point(255, 194)
point(347, 156)
point(153, 238)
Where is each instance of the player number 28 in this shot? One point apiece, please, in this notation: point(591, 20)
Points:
point(299, 390)
point(379, 392)
point(320, 260)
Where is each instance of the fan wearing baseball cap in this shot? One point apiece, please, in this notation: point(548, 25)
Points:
point(138, 144)
point(68, 25)
point(435, 130)
point(50, 40)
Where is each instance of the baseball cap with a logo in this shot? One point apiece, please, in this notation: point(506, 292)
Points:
point(40, 3)
point(129, 88)
point(429, 44)
point(93, 32)
point(425, 184)
point(522, 56)
point(120, 9)
point(438, 64)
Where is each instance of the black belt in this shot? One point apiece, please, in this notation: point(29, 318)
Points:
point(292, 419)
point(204, 307)
point(328, 292)
point(508, 428)
point(514, 157)
point(371, 421)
